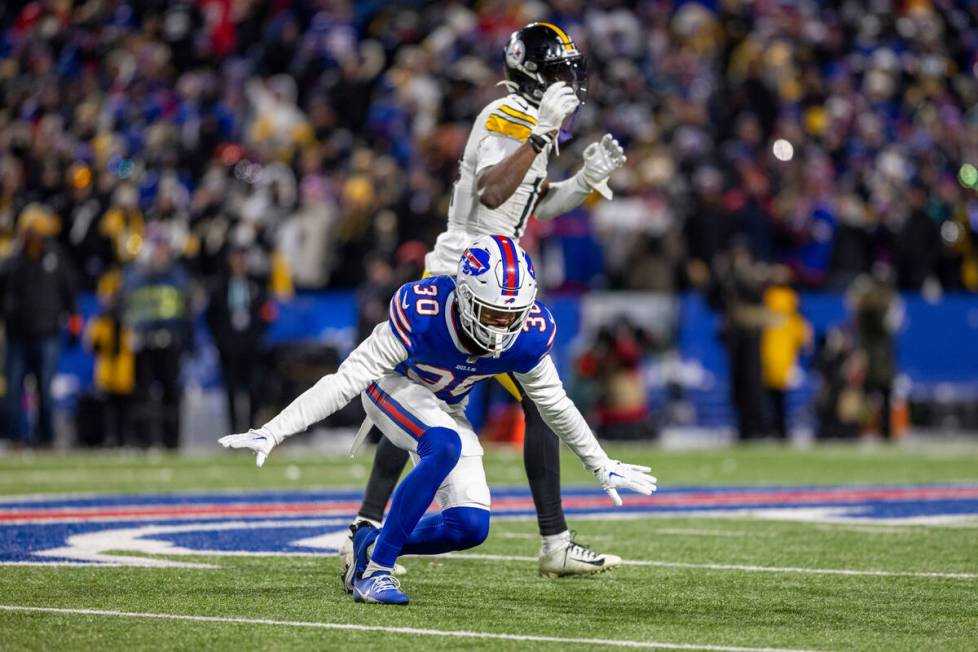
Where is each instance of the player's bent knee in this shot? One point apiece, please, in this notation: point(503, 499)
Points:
point(442, 444)
point(469, 526)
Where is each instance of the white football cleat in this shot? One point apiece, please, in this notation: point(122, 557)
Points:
point(346, 554)
point(574, 558)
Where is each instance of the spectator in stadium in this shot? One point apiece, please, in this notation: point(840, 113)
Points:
point(279, 127)
point(123, 225)
point(783, 336)
point(37, 289)
point(306, 236)
point(374, 294)
point(878, 313)
point(238, 314)
point(155, 296)
point(841, 369)
point(737, 291)
point(918, 243)
point(876, 103)
point(111, 341)
point(612, 372)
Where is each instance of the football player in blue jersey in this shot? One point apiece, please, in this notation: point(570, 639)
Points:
point(443, 336)
point(502, 181)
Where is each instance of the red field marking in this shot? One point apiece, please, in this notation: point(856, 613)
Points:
point(746, 498)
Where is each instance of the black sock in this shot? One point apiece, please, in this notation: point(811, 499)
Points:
point(541, 458)
point(389, 461)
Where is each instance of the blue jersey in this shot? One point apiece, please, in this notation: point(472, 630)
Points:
point(424, 318)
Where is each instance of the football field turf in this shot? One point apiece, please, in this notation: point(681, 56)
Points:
point(834, 548)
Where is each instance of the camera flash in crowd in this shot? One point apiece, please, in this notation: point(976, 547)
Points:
point(783, 150)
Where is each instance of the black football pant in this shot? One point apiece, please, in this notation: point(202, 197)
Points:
point(541, 459)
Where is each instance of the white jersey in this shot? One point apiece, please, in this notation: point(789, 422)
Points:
point(499, 131)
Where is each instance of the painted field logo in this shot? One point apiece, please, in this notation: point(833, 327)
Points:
point(121, 530)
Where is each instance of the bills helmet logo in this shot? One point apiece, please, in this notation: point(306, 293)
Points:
point(475, 262)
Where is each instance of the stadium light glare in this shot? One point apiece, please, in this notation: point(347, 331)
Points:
point(783, 150)
point(968, 175)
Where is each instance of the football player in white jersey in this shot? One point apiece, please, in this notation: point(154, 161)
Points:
point(502, 181)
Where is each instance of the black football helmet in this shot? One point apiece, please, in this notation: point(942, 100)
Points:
point(539, 55)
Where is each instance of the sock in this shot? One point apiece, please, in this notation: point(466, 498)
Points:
point(376, 569)
point(541, 459)
point(455, 528)
point(389, 461)
point(552, 542)
point(439, 449)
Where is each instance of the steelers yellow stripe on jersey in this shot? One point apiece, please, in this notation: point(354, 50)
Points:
point(568, 44)
point(519, 115)
point(500, 125)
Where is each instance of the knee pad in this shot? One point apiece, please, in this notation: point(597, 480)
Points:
point(442, 444)
point(469, 525)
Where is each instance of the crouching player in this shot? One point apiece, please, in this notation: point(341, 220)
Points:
point(443, 336)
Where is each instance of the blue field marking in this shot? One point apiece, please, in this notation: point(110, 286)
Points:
point(91, 529)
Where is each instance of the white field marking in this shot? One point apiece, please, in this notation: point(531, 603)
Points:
point(456, 633)
point(867, 529)
point(679, 531)
point(523, 535)
point(536, 537)
point(702, 532)
point(739, 567)
point(848, 515)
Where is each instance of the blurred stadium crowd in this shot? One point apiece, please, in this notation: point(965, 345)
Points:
point(240, 149)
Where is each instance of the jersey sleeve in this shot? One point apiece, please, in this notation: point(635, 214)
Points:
point(537, 338)
point(415, 308)
point(493, 149)
point(399, 320)
point(505, 127)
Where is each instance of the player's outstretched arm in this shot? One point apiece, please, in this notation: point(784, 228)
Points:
point(600, 160)
point(376, 356)
point(542, 384)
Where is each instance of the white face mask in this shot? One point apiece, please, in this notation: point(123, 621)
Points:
point(473, 314)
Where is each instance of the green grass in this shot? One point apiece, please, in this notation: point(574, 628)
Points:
point(294, 467)
point(636, 603)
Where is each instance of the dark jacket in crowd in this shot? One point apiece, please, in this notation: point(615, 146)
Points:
point(37, 292)
point(236, 313)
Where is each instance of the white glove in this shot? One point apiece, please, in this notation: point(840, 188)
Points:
point(615, 475)
point(256, 439)
point(558, 102)
point(600, 160)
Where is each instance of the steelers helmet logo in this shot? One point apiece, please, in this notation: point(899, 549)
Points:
point(515, 53)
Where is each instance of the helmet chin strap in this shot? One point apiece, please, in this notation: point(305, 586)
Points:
point(514, 88)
